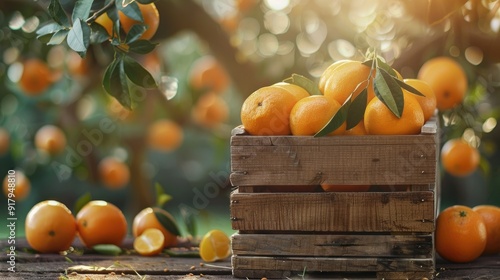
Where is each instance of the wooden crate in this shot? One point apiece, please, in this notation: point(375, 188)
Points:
point(383, 232)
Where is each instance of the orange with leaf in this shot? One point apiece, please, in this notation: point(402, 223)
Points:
point(157, 218)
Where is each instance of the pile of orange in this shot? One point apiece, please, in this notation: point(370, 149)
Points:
point(282, 109)
point(463, 233)
point(50, 227)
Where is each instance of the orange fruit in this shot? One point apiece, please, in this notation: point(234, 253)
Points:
point(491, 218)
point(36, 77)
point(17, 184)
point(50, 227)
point(348, 77)
point(150, 16)
point(105, 22)
point(447, 79)
point(328, 72)
point(113, 173)
point(147, 219)
point(206, 74)
point(210, 110)
point(164, 135)
point(4, 141)
point(100, 222)
point(298, 91)
point(50, 139)
point(345, 188)
point(459, 158)
point(150, 242)
point(460, 234)
point(267, 111)
point(215, 245)
point(428, 101)
point(311, 114)
point(359, 129)
point(379, 119)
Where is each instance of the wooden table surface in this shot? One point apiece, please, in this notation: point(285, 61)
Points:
point(96, 266)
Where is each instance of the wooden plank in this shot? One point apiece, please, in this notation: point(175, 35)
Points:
point(333, 164)
point(333, 245)
point(324, 264)
point(410, 275)
point(333, 212)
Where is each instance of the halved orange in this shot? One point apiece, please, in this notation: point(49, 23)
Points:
point(215, 245)
point(150, 242)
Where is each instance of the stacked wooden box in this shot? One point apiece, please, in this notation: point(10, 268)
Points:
point(387, 231)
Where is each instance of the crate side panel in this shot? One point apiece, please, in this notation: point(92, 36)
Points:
point(333, 212)
point(329, 245)
point(341, 164)
point(367, 264)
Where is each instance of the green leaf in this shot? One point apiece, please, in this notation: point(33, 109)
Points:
point(409, 88)
point(57, 13)
point(81, 201)
point(137, 74)
point(167, 222)
point(145, 1)
point(135, 33)
point(132, 10)
point(389, 92)
point(161, 197)
point(381, 64)
point(113, 84)
point(107, 249)
point(98, 34)
point(305, 83)
point(142, 46)
point(357, 109)
point(81, 10)
point(336, 121)
point(58, 37)
point(182, 254)
point(79, 36)
point(48, 29)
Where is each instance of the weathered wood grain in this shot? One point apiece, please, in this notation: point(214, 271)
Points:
point(333, 212)
point(333, 245)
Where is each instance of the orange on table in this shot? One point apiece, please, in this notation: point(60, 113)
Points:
point(150, 242)
point(150, 16)
point(164, 135)
point(267, 111)
point(207, 74)
point(379, 119)
point(20, 184)
point(310, 114)
point(36, 77)
point(459, 158)
point(345, 188)
point(100, 222)
point(146, 219)
point(460, 234)
point(50, 139)
point(50, 227)
point(491, 218)
point(428, 101)
point(215, 245)
point(210, 110)
point(4, 141)
point(349, 77)
point(113, 173)
point(447, 79)
point(298, 91)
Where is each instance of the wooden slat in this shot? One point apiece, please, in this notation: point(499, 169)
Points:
point(333, 212)
point(368, 264)
point(388, 164)
point(330, 245)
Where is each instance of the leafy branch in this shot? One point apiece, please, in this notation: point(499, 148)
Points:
point(79, 30)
